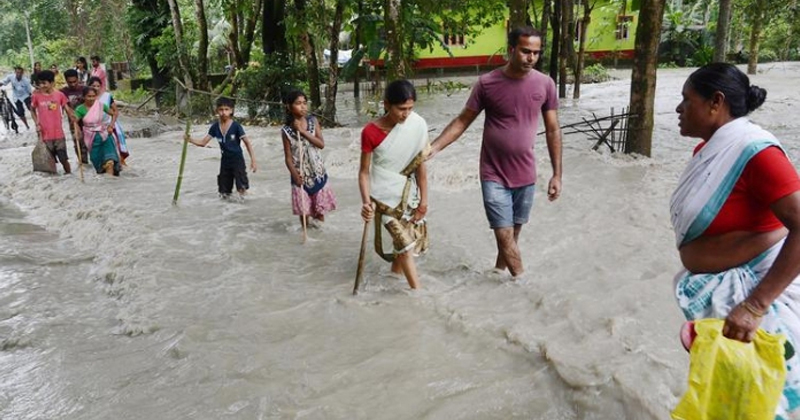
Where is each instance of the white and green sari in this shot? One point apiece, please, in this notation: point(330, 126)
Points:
point(702, 190)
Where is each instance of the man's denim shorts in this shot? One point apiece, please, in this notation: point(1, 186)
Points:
point(506, 207)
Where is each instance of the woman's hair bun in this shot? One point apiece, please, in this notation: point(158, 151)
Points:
point(755, 97)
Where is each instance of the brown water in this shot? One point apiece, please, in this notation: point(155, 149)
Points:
point(115, 304)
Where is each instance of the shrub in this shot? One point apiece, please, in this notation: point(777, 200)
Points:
point(264, 82)
point(595, 73)
point(702, 56)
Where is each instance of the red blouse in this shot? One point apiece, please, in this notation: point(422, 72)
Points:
point(371, 137)
point(767, 177)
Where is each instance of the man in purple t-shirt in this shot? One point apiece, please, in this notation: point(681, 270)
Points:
point(513, 97)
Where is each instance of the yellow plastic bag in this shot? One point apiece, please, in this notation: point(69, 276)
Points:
point(729, 379)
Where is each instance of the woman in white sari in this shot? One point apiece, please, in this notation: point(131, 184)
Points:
point(736, 216)
point(393, 180)
point(119, 135)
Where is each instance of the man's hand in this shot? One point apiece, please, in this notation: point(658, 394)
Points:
point(554, 188)
point(253, 166)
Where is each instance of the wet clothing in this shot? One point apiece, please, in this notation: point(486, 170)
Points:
point(705, 188)
point(315, 177)
point(119, 133)
point(512, 116)
point(58, 149)
point(507, 207)
point(767, 177)
point(230, 175)
point(19, 107)
point(315, 205)
point(316, 198)
point(393, 184)
point(100, 145)
point(49, 109)
point(232, 167)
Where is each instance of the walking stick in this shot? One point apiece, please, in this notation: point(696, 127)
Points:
point(183, 153)
point(301, 192)
point(360, 269)
point(78, 150)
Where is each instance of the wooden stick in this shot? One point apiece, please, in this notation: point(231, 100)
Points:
point(302, 191)
point(80, 158)
point(361, 255)
point(183, 154)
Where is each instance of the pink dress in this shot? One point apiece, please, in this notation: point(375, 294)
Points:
point(316, 197)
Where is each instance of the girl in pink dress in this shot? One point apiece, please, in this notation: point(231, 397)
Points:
point(302, 147)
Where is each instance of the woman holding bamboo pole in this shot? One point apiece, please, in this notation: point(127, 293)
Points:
point(98, 136)
point(393, 179)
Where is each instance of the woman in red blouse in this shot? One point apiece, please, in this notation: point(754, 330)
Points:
point(736, 214)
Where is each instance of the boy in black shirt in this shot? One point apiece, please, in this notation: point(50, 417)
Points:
point(229, 134)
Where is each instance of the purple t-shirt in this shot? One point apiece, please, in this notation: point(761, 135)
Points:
point(512, 117)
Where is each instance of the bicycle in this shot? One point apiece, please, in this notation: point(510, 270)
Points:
point(7, 112)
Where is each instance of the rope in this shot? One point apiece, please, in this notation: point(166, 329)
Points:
point(253, 101)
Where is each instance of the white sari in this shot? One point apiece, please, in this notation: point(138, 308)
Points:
point(393, 183)
point(395, 153)
point(702, 190)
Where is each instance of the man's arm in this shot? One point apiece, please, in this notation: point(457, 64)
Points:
point(70, 114)
point(553, 136)
point(453, 130)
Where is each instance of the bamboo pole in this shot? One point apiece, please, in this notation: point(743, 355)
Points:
point(78, 137)
point(183, 152)
point(301, 191)
point(361, 255)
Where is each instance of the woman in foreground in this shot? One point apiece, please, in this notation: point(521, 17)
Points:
point(736, 216)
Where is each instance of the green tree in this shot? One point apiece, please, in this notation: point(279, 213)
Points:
point(643, 78)
point(147, 21)
point(721, 34)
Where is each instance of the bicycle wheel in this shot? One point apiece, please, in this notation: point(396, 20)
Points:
point(6, 114)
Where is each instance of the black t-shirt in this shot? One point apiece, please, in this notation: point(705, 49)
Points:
point(229, 143)
point(74, 95)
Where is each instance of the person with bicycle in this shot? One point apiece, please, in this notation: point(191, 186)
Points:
point(22, 88)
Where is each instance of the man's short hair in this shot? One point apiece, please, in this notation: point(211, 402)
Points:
point(70, 73)
point(223, 101)
point(522, 31)
point(46, 76)
point(95, 57)
point(19, 68)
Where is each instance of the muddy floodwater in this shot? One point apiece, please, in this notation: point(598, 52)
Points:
point(116, 305)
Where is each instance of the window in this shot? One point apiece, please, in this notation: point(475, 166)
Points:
point(453, 37)
point(623, 27)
